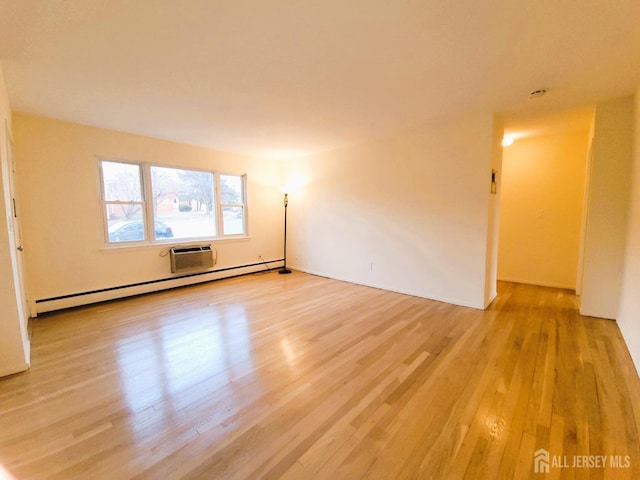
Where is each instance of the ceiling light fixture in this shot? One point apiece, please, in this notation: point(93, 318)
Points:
point(507, 140)
point(537, 93)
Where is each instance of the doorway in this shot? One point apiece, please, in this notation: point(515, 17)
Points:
point(542, 198)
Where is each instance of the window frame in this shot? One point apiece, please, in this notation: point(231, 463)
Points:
point(148, 207)
point(142, 202)
point(220, 206)
point(152, 206)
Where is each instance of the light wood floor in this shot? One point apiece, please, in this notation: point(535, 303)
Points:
point(301, 377)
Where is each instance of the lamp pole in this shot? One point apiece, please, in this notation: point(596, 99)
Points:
point(286, 203)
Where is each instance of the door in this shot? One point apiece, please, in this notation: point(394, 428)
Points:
point(17, 236)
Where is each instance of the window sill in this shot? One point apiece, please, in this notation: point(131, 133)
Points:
point(170, 244)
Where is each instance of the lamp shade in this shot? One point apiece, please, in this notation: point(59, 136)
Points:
point(293, 184)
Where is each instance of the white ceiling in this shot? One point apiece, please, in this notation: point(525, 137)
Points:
point(285, 77)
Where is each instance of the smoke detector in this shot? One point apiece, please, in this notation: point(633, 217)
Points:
point(537, 93)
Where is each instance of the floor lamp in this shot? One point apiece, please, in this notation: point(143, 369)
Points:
point(284, 267)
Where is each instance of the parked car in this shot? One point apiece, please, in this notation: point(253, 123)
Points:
point(133, 231)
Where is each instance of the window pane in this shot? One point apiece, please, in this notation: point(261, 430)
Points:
point(183, 203)
point(233, 220)
point(125, 222)
point(121, 182)
point(231, 188)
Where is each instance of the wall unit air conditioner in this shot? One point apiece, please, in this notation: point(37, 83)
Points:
point(189, 259)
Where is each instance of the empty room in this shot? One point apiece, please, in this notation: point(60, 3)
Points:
point(319, 240)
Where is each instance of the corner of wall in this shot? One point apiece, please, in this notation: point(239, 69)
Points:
point(493, 223)
point(585, 207)
point(629, 309)
point(608, 207)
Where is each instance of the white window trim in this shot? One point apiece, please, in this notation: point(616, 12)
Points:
point(149, 213)
point(220, 205)
point(104, 202)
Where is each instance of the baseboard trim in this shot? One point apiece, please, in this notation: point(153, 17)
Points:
point(594, 314)
point(390, 289)
point(563, 286)
point(13, 369)
point(71, 300)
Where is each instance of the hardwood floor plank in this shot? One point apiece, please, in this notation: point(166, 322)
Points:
point(297, 376)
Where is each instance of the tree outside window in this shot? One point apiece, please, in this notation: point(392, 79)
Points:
point(184, 206)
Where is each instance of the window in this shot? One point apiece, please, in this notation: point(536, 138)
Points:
point(185, 203)
point(123, 198)
point(232, 204)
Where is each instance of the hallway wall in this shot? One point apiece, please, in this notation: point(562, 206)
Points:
point(543, 181)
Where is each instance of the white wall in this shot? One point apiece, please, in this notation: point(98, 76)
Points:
point(494, 215)
point(629, 313)
point(608, 208)
point(58, 173)
point(543, 186)
point(409, 213)
point(14, 344)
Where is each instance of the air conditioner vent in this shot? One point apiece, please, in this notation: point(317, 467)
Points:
point(191, 258)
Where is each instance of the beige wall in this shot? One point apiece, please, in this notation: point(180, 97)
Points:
point(63, 226)
point(608, 207)
point(543, 182)
point(14, 344)
point(408, 213)
point(629, 313)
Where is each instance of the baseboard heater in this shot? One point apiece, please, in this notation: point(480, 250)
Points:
point(162, 280)
point(190, 259)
